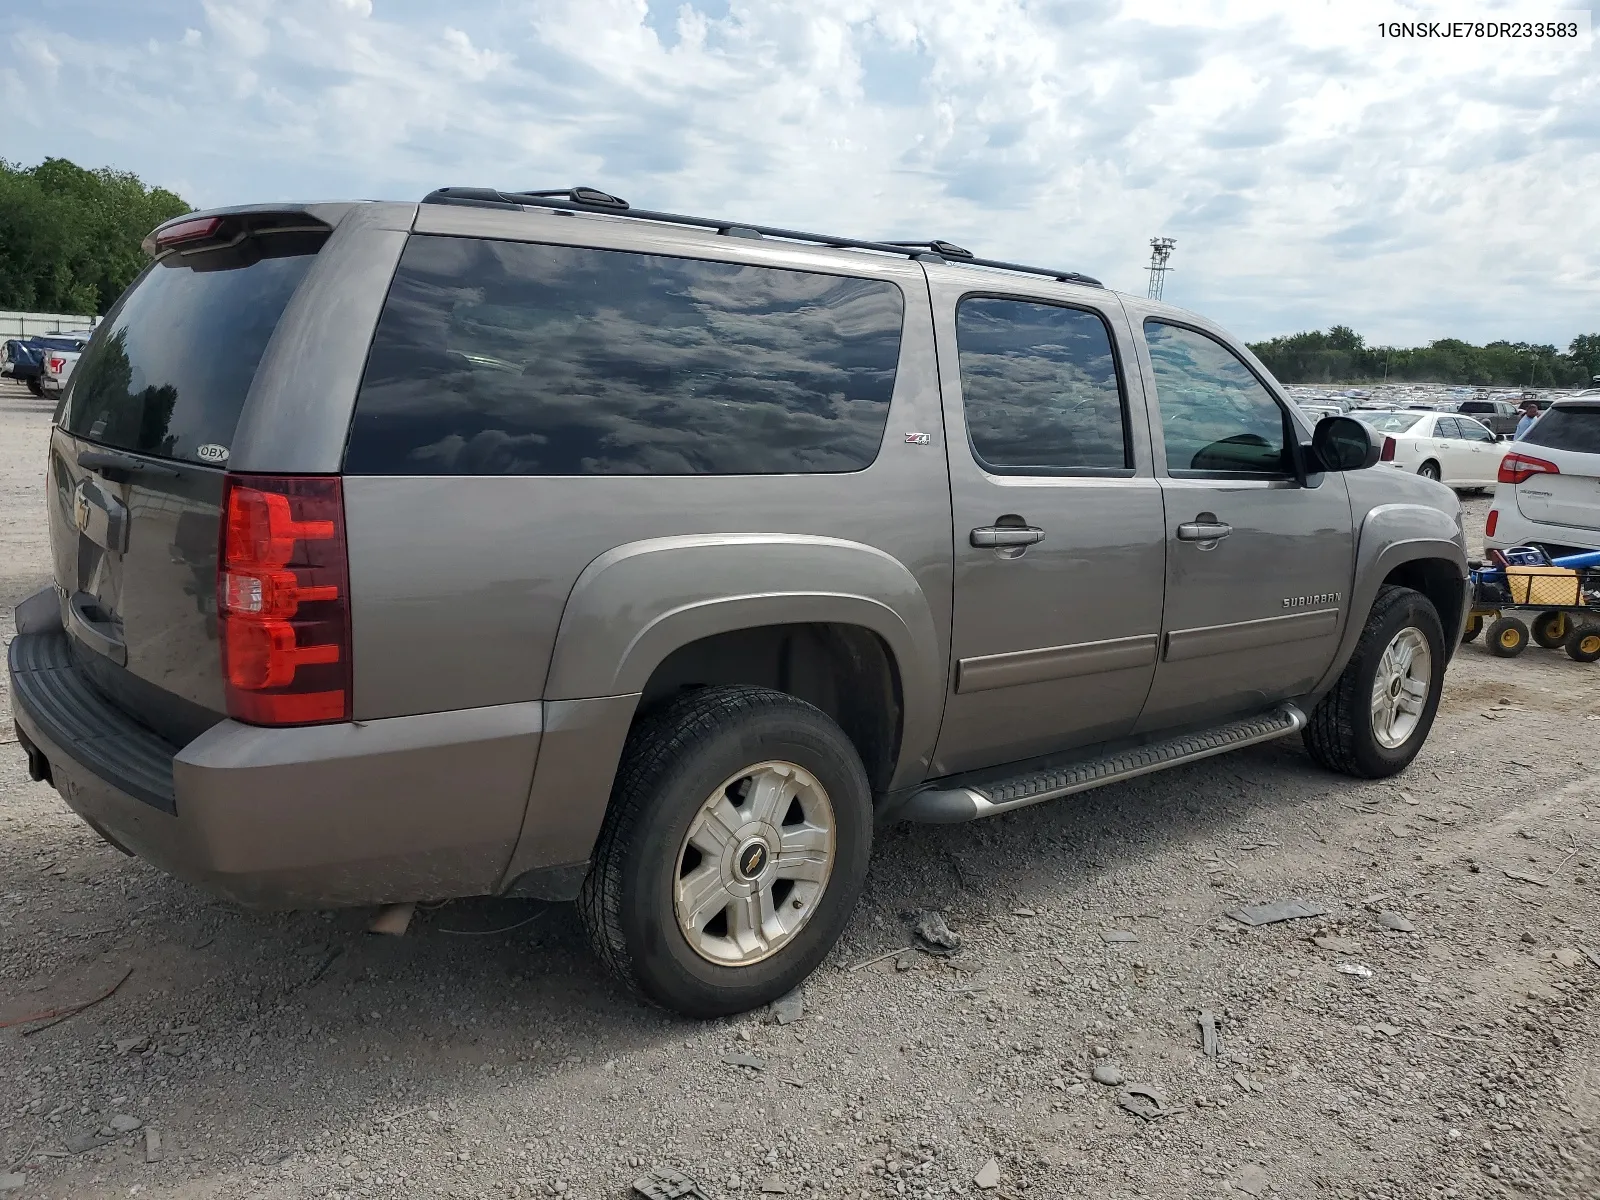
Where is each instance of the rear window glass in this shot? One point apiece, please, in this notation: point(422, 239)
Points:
point(509, 358)
point(1395, 422)
point(1567, 427)
point(1040, 388)
point(168, 370)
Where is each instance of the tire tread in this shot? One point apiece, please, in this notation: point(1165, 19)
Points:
point(655, 744)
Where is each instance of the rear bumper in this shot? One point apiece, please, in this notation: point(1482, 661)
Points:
point(406, 808)
point(1514, 529)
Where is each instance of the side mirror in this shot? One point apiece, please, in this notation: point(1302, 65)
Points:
point(1344, 444)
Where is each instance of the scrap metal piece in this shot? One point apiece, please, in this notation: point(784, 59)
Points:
point(1278, 910)
point(666, 1184)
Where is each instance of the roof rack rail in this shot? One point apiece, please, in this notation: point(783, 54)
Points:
point(587, 199)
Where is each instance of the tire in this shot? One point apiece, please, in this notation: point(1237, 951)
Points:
point(676, 760)
point(1507, 638)
point(1550, 629)
point(1429, 470)
point(1583, 644)
point(1473, 628)
point(1342, 734)
point(35, 386)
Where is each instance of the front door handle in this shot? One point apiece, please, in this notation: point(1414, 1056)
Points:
point(1007, 535)
point(1203, 531)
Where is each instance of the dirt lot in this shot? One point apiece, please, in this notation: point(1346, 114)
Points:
point(485, 1054)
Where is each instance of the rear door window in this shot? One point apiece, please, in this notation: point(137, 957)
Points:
point(168, 370)
point(1567, 427)
point(1446, 427)
point(512, 358)
point(1040, 388)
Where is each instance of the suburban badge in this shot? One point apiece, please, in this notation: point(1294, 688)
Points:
point(1310, 601)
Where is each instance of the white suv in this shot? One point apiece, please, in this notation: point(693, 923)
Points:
point(1549, 483)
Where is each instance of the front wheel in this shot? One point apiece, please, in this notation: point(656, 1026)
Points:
point(1378, 715)
point(733, 852)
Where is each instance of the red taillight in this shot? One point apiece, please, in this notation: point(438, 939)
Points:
point(1517, 466)
point(188, 231)
point(283, 600)
point(1387, 454)
point(1490, 525)
point(57, 365)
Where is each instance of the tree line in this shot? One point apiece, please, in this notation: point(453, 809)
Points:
point(1341, 355)
point(69, 238)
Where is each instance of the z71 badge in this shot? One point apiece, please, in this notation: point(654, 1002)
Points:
point(1309, 601)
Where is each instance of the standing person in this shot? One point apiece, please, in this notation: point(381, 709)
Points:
point(1530, 414)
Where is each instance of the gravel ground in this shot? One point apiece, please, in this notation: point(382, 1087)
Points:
point(485, 1054)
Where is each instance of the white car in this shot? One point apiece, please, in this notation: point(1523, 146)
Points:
point(1549, 490)
point(1453, 449)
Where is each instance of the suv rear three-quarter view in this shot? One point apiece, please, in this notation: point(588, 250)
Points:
point(526, 544)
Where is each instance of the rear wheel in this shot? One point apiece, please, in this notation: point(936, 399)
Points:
point(1378, 715)
point(1583, 644)
point(1429, 470)
point(733, 852)
point(1550, 629)
point(35, 386)
point(1507, 638)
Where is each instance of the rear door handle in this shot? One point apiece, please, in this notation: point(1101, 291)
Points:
point(1203, 531)
point(1007, 535)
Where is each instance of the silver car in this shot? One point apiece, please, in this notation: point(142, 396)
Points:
point(530, 544)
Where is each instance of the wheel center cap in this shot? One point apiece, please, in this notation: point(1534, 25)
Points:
point(752, 859)
point(1394, 688)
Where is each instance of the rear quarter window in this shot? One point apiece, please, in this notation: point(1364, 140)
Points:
point(510, 358)
point(1567, 427)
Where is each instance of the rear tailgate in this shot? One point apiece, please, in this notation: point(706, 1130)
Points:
point(137, 466)
point(1568, 436)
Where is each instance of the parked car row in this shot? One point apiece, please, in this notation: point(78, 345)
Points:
point(1547, 485)
point(45, 361)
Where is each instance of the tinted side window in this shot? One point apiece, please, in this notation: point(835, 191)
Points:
point(1216, 417)
point(1567, 427)
point(1447, 427)
point(505, 358)
point(1040, 388)
point(1473, 431)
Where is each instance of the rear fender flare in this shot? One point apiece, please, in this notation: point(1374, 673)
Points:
point(635, 604)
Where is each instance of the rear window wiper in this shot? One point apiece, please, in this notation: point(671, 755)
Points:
point(110, 460)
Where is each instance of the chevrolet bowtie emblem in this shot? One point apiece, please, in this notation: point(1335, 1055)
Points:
point(80, 510)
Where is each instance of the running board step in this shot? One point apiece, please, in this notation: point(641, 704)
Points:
point(949, 806)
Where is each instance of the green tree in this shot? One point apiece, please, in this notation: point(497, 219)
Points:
point(1342, 356)
point(69, 238)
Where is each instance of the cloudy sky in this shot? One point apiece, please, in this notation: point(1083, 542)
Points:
point(1313, 171)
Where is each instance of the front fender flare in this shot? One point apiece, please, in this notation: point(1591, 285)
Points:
point(635, 604)
point(1390, 536)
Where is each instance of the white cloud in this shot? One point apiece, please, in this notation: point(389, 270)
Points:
point(1312, 171)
